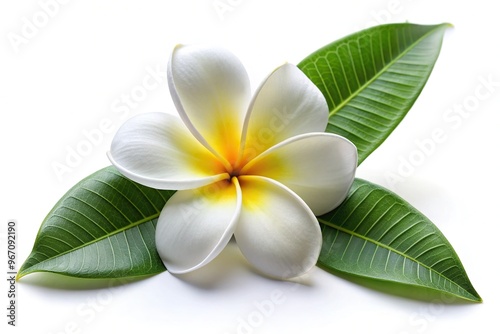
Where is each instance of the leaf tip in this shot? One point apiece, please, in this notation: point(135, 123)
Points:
point(19, 275)
point(448, 25)
point(23, 271)
point(478, 298)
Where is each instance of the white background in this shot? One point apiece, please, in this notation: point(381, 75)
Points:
point(69, 75)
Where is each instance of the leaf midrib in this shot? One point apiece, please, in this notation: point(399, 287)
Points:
point(381, 72)
point(324, 222)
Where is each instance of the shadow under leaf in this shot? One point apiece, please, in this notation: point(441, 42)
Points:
point(64, 282)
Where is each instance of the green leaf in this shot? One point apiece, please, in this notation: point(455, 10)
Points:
point(376, 234)
point(371, 79)
point(103, 227)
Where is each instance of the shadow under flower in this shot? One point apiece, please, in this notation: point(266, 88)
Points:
point(223, 271)
point(230, 269)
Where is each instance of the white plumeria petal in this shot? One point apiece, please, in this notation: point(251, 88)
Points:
point(319, 167)
point(287, 104)
point(277, 232)
point(196, 225)
point(211, 91)
point(157, 150)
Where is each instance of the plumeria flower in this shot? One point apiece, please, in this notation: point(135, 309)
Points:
point(257, 168)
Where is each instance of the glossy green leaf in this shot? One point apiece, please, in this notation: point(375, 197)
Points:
point(376, 234)
point(371, 79)
point(103, 227)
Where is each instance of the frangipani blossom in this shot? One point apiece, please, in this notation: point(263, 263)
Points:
point(257, 168)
